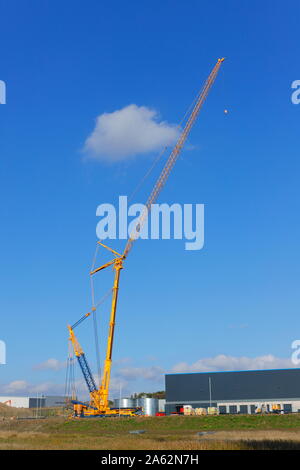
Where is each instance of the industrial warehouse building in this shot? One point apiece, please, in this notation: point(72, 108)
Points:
point(34, 402)
point(234, 392)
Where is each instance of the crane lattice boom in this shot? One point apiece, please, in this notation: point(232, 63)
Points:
point(99, 398)
point(173, 156)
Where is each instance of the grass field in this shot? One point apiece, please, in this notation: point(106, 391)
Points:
point(166, 433)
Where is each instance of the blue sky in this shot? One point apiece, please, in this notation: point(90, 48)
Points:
point(64, 64)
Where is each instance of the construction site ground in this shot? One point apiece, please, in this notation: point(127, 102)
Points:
point(21, 429)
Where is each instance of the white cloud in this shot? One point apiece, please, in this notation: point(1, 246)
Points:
point(16, 386)
point(153, 373)
point(21, 387)
point(51, 364)
point(223, 362)
point(127, 132)
point(131, 379)
point(122, 361)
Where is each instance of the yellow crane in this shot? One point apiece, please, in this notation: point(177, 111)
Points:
point(99, 395)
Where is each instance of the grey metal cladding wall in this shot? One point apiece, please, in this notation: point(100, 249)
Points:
point(239, 385)
point(55, 401)
point(36, 402)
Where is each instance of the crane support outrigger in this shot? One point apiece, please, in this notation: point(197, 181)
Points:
point(99, 396)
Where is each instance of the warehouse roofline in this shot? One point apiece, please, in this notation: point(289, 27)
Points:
point(227, 371)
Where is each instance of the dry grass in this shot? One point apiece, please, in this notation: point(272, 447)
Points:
point(222, 441)
point(178, 433)
point(10, 411)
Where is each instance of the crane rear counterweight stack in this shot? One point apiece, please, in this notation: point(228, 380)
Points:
point(99, 397)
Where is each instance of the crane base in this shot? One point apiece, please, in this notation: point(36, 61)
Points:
point(84, 411)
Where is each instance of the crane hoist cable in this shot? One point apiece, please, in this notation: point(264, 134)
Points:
point(161, 153)
point(96, 337)
point(70, 386)
point(77, 323)
point(97, 344)
point(147, 174)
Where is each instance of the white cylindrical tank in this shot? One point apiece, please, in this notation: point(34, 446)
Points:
point(149, 405)
point(125, 403)
point(161, 404)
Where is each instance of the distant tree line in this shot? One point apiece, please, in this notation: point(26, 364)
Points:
point(160, 394)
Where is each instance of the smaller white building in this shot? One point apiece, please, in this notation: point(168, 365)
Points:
point(17, 402)
point(34, 402)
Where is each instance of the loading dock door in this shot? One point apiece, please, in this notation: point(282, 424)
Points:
point(244, 409)
point(287, 407)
